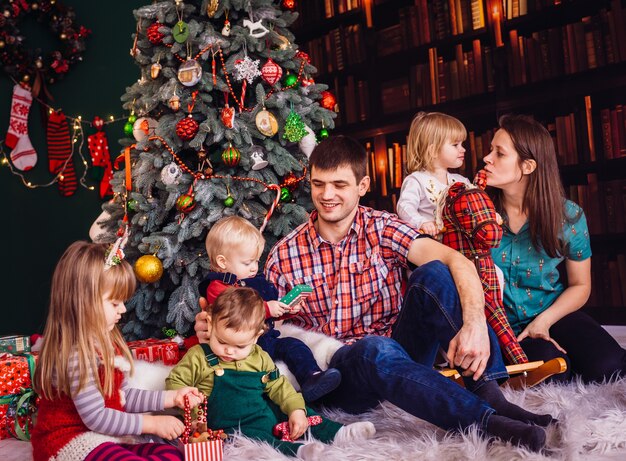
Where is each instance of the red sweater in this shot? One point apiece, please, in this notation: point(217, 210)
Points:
point(58, 421)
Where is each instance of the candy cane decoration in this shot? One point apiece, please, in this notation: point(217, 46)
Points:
point(276, 187)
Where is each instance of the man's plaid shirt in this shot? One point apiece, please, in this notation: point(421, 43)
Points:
point(356, 282)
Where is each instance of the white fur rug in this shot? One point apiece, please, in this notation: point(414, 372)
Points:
point(592, 424)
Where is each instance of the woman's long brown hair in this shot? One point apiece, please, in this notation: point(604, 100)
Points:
point(544, 199)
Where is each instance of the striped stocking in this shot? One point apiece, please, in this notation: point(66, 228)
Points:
point(59, 153)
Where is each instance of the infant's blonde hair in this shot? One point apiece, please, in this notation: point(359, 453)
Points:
point(428, 133)
point(229, 233)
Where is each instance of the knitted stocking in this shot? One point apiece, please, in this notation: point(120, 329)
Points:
point(100, 157)
point(23, 155)
point(59, 153)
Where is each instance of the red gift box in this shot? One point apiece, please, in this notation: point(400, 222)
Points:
point(17, 398)
point(154, 350)
point(211, 450)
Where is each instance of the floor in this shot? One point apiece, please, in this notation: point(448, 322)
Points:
point(15, 450)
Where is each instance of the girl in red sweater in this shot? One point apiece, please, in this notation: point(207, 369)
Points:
point(87, 410)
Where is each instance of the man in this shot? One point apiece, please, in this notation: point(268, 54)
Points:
point(354, 257)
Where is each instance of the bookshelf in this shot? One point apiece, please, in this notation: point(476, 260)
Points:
point(562, 61)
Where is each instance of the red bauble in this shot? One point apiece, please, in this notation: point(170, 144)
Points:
point(187, 128)
point(290, 182)
point(231, 156)
point(155, 37)
point(271, 72)
point(289, 4)
point(302, 55)
point(328, 100)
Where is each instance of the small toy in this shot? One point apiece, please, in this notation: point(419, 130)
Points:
point(297, 294)
point(281, 430)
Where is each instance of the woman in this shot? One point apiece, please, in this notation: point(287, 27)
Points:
point(541, 229)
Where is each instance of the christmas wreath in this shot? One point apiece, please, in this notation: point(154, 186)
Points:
point(29, 66)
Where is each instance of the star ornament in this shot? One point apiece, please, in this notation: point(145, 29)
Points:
point(247, 69)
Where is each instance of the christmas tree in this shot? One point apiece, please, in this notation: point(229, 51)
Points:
point(221, 122)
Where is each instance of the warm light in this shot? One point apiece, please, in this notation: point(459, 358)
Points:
point(497, 31)
point(61, 178)
point(5, 161)
point(91, 188)
point(111, 118)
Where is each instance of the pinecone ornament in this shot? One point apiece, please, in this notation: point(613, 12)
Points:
point(187, 128)
point(155, 37)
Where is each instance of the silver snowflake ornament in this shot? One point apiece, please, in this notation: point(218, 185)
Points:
point(247, 69)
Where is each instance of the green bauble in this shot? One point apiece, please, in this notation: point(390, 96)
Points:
point(128, 128)
point(285, 194)
point(229, 201)
point(132, 118)
point(131, 205)
point(291, 79)
point(323, 134)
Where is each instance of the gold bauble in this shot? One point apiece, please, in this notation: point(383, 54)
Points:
point(148, 269)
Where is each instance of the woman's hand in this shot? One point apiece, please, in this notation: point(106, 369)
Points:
point(429, 228)
point(539, 328)
point(298, 424)
point(176, 398)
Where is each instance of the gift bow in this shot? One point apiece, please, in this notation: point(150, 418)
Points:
point(282, 429)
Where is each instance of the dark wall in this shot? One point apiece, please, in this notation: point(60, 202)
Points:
point(38, 224)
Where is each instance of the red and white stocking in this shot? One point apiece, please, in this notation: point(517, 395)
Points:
point(23, 155)
point(60, 152)
point(100, 156)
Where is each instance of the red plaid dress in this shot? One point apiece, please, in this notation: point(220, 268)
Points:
point(471, 227)
point(356, 282)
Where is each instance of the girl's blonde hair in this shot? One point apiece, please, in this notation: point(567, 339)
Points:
point(76, 322)
point(229, 233)
point(428, 133)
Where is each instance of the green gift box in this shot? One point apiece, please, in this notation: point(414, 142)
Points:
point(14, 344)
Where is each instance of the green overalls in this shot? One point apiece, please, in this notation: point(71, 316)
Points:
point(238, 401)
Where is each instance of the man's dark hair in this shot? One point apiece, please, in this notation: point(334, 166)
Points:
point(338, 151)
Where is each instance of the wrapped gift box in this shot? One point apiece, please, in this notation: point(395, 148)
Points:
point(211, 450)
point(17, 398)
point(155, 350)
point(14, 344)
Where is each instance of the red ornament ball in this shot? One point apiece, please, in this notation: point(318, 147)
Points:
point(302, 55)
point(187, 128)
point(155, 37)
point(328, 100)
point(231, 156)
point(185, 203)
point(290, 182)
point(289, 4)
point(271, 72)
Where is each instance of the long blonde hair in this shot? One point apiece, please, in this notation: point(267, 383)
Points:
point(428, 133)
point(76, 323)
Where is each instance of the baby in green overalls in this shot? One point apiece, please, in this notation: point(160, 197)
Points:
point(244, 389)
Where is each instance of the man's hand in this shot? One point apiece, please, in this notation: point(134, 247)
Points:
point(539, 328)
point(298, 424)
point(277, 309)
point(164, 426)
point(202, 326)
point(469, 349)
point(176, 398)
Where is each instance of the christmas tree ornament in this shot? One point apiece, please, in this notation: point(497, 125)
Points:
point(289, 4)
point(258, 158)
point(323, 134)
point(304, 56)
point(128, 126)
point(100, 157)
point(60, 152)
point(204, 164)
point(190, 72)
point(174, 103)
point(211, 8)
point(171, 174)
point(247, 69)
point(270, 212)
point(180, 31)
point(295, 129)
point(257, 29)
point(307, 81)
point(229, 201)
point(308, 142)
point(23, 154)
point(266, 123)
point(226, 28)
point(271, 72)
point(231, 156)
point(290, 182)
point(154, 36)
point(291, 80)
point(155, 70)
point(328, 100)
point(131, 205)
point(187, 128)
point(228, 116)
point(148, 269)
point(285, 194)
point(144, 127)
point(186, 202)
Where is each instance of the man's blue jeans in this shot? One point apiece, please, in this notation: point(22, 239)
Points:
point(377, 368)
